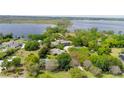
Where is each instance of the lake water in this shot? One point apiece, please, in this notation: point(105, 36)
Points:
point(116, 26)
point(25, 29)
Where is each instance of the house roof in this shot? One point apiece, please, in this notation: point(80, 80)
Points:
point(57, 42)
point(13, 44)
point(56, 51)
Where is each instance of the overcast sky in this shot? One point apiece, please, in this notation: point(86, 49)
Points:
point(62, 7)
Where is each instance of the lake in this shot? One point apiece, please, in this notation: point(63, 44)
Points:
point(102, 25)
point(25, 29)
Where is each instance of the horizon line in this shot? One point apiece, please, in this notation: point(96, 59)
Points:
point(90, 16)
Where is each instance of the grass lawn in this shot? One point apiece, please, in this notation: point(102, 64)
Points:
point(21, 41)
point(22, 54)
point(112, 76)
point(115, 52)
point(61, 74)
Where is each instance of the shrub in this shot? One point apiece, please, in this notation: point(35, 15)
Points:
point(104, 62)
point(16, 61)
point(6, 64)
point(2, 55)
point(33, 70)
point(60, 46)
point(104, 50)
point(64, 61)
point(43, 52)
point(77, 73)
point(10, 51)
point(32, 58)
point(11, 65)
point(77, 41)
point(31, 45)
point(35, 37)
point(32, 65)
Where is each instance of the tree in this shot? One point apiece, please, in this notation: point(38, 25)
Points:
point(43, 52)
point(53, 30)
point(80, 53)
point(10, 51)
point(32, 58)
point(104, 50)
point(16, 61)
point(31, 45)
point(77, 73)
point(11, 65)
point(2, 55)
point(77, 41)
point(64, 23)
point(33, 70)
point(6, 64)
point(64, 61)
point(104, 62)
point(9, 35)
point(36, 36)
point(32, 65)
point(92, 45)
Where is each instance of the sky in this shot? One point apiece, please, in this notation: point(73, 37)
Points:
point(63, 7)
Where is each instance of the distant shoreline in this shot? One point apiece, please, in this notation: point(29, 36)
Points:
point(48, 19)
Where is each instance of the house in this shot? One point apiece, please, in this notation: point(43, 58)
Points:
point(51, 64)
point(55, 43)
point(12, 44)
point(56, 51)
point(63, 42)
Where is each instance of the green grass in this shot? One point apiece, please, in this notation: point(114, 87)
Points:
point(89, 74)
point(112, 76)
point(61, 74)
point(116, 51)
point(23, 54)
